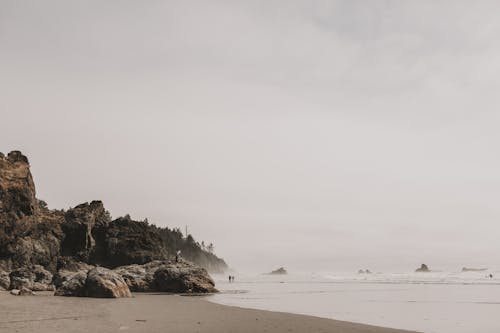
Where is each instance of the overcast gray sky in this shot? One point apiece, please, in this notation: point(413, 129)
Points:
point(318, 135)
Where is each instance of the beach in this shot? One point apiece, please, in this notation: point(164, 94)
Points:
point(151, 313)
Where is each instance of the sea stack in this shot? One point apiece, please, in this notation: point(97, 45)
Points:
point(279, 271)
point(423, 268)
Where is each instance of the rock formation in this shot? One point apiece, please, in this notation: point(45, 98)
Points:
point(167, 276)
point(183, 277)
point(158, 276)
point(42, 249)
point(16, 187)
point(367, 271)
point(279, 271)
point(423, 268)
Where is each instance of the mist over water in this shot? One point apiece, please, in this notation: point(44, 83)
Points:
point(319, 136)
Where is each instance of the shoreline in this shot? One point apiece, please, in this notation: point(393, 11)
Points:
point(151, 312)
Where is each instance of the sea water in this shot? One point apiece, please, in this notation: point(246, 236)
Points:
point(435, 302)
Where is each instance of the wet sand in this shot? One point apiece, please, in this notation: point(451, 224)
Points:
point(152, 313)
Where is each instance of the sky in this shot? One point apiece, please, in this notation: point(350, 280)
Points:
point(315, 135)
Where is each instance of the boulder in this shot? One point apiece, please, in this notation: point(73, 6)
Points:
point(99, 282)
point(34, 278)
point(423, 268)
point(103, 282)
point(183, 279)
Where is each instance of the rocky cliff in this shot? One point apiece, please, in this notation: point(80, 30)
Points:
point(37, 243)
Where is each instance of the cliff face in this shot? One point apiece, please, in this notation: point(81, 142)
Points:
point(33, 236)
point(17, 190)
point(30, 234)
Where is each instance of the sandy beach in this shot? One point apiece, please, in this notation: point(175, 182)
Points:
point(154, 313)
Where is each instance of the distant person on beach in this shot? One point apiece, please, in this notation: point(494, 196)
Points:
point(178, 256)
point(230, 278)
point(491, 276)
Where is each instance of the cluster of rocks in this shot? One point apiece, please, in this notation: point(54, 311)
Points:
point(79, 279)
point(80, 252)
point(365, 271)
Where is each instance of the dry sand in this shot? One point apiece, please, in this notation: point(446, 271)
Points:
point(45, 313)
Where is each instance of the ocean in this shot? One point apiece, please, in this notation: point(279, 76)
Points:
point(435, 302)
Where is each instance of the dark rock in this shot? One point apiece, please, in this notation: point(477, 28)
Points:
point(125, 241)
point(279, 271)
point(77, 227)
point(423, 268)
point(16, 156)
point(34, 278)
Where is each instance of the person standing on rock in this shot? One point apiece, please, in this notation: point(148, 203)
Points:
point(178, 256)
